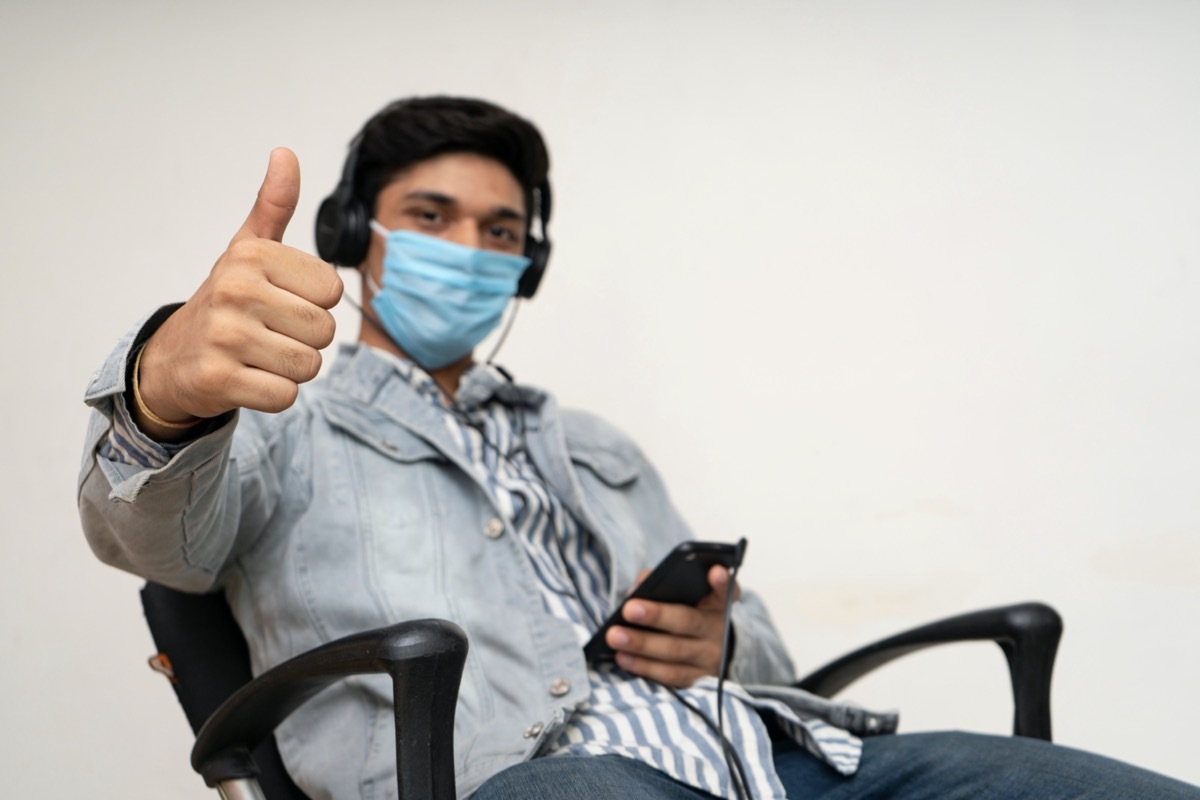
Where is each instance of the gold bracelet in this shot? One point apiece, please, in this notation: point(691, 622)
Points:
point(141, 404)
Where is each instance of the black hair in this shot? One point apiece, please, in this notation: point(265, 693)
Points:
point(414, 129)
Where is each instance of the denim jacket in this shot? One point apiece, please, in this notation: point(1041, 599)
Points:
point(354, 509)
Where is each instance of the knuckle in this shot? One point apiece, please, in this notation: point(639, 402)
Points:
point(325, 329)
point(278, 397)
point(314, 364)
point(700, 624)
point(246, 250)
point(287, 395)
point(289, 362)
point(333, 289)
point(222, 336)
point(229, 289)
point(208, 379)
point(229, 336)
point(299, 364)
point(319, 325)
point(308, 315)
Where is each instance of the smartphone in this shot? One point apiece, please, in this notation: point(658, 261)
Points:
point(681, 577)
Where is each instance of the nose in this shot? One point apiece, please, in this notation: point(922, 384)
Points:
point(465, 232)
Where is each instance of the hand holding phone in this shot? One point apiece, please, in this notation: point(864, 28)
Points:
point(681, 577)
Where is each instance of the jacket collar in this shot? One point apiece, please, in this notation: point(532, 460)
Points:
point(365, 373)
point(385, 396)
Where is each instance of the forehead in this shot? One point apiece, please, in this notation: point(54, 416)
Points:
point(469, 179)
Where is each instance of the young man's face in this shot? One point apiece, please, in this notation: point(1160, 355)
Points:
point(465, 198)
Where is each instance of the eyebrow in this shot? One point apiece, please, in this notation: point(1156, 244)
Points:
point(499, 212)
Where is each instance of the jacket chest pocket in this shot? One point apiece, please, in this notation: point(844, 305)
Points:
point(610, 479)
point(396, 480)
point(612, 471)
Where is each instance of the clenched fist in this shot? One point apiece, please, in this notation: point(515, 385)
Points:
point(254, 329)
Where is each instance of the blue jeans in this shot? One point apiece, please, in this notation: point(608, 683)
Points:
point(914, 766)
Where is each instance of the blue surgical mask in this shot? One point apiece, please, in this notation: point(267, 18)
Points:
point(440, 299)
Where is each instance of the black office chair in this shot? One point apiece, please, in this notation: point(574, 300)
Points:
point(203, 652)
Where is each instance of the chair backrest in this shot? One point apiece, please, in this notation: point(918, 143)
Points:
point(209, 661)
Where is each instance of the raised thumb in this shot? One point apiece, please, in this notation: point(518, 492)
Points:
point(277, 198)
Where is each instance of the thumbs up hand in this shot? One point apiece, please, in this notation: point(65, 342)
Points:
point(254, 329)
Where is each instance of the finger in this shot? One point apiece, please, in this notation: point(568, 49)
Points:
point(249, 264)
point(221, 382)
point(679, 676)
point(304, 323)
point(237, 339)
point(670, 617)
point(719, 580)
point(261, 390)
point(315, 280)
point(704, 654)
point(283, 356)
point(242, 295)
point(277, 198)
point(305, 276)
point(294, 317)
point(641, 576)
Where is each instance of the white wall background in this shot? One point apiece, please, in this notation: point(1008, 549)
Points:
point(905, 292)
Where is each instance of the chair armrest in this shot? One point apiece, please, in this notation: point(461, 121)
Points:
point(425, 660)
point(1028, 634)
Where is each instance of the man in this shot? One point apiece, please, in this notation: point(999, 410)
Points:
point(415, 482)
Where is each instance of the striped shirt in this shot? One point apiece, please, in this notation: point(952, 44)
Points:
point(625, 715)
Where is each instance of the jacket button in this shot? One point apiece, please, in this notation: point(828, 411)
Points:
point(533, 730)
point(559, 687)
point(494, 528)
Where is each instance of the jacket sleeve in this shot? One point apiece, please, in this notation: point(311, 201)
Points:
point(180, 524)
point(759, 656)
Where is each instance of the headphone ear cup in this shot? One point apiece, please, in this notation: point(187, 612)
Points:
point(538, 253)
point(343, 231)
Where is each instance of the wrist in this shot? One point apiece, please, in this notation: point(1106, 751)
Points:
point(166, 426)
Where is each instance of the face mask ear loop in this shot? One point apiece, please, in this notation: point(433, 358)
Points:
point(514, 306)
point(357, 306)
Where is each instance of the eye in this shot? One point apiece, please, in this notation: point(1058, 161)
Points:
point(506, 236)
point(427, 216)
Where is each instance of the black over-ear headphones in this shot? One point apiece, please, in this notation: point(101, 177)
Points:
point(344, 228)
